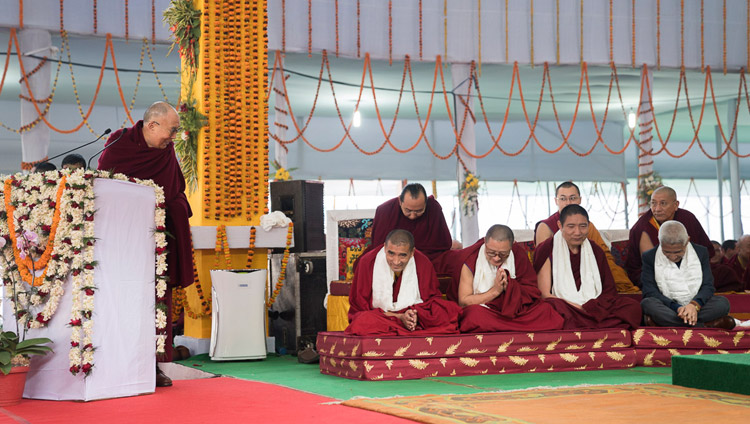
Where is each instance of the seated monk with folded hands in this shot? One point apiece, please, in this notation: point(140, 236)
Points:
point(395, 291)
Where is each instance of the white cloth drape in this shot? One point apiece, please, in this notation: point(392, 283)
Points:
point(564, 286)
point(124, 327)
point(679, 283)
point(382, 285)
point(484, 274)
point(463, 39)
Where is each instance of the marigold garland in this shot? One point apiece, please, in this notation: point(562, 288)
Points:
point(284, 262)
point(25, 266)
point(69, 233)
point(251, 249)
point(222, 246)
point(182, 301)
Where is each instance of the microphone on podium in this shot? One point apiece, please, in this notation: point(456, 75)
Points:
point(107, 131)
point(106, 146)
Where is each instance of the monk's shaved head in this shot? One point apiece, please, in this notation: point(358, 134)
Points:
point(666, 191)
point(664, 204)
point(413, 205)
point(399, 238)
point(415, 190)
point(157, 110)
point(571, 210)
point(499, 232)
point(567, 184)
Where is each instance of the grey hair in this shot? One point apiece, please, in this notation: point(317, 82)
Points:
point(673, 233)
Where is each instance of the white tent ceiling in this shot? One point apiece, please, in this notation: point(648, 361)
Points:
point(325, 129)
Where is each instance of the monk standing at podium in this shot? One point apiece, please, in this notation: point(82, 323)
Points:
point(145, 151)
point(395, 292)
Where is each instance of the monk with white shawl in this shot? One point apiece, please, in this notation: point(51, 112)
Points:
point(395, 291)
point(678, 286)
point(574, 277)
point(498, 288)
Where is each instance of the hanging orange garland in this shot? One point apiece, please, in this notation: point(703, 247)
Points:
point(222, 246)
point(26, 265)
point(251, 249)
point(181, 301)
point(284, 262)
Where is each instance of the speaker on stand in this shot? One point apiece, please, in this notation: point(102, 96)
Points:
point(298, 313)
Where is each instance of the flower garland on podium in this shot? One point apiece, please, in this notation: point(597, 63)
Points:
point(59, 207)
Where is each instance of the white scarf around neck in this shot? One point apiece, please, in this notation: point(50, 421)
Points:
point(679, 283)
point(484, 272)
point(564, 285)
point(383, 278)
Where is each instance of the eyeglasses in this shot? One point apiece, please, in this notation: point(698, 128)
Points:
point(499, 255)
point(572, 198)
point(663, 203)
point(173, 131)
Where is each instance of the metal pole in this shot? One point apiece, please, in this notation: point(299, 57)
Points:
point(734, 177)
point(720, 180)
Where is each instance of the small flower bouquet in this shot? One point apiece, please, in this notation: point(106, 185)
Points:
point(470, 194)
point(282, 174)
point(648, 184)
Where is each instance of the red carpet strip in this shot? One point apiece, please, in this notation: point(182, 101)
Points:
point(212, 400)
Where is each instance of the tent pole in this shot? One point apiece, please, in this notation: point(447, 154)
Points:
point(719, 181)
point(645, 125)
point(463, 83)
point(734, 177)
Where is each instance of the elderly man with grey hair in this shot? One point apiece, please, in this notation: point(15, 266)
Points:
point(678, 287)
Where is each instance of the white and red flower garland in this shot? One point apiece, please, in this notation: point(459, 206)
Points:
point(69, 224)
point(33, 201)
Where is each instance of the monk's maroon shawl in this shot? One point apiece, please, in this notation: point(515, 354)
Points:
point(431, 234)
point(694, 229)
point(131, 156)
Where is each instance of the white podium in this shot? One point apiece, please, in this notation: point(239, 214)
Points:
point(238, 319)
point(124, 324)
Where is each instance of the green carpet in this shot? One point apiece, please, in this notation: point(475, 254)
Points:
point(725, 373)
point(286, 371)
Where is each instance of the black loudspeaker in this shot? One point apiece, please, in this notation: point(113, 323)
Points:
point(298, 314)
point(302, 202)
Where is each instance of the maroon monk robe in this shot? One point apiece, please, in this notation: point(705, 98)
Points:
point(742, 273)
point(431, 234)
point(609, 310)
point(434, 315)
point(519, 307)
point(133, 157)
point(551, 223)
point(725, 278)
point(646, 224)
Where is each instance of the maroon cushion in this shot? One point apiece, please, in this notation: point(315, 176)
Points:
point(689, 338)
point(340, 288)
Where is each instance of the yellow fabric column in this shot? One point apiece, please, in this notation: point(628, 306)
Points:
point(230, 89)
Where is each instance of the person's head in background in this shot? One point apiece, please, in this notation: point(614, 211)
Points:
point(73, 161)
point(44, 167)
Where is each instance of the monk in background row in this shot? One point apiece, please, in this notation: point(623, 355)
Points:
point(566, 194)
point(644, 235)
